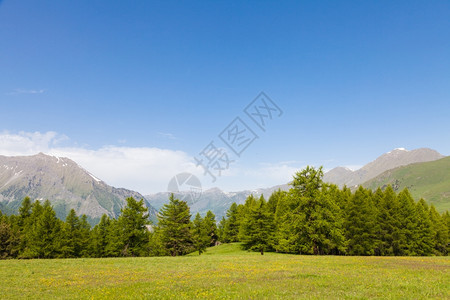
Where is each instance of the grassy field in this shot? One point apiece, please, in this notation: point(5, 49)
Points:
point(227, 272)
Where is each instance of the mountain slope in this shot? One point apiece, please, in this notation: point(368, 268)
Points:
point(428, 180)
point(63, 182)
point(393, 159)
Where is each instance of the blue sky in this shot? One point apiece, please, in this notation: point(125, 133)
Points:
point(354, 79)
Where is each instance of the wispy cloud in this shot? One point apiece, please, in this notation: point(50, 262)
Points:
point(143, 169)
point(22, 91)
point(166, 135)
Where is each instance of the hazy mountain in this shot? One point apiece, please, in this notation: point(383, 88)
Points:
point(428, 180)
point(63, 182)
point(213, 199)
point(219, 201)
point(393, 159)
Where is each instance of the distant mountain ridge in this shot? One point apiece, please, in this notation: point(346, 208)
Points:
point(390, 160)
point(428, 180)
point(63, 182)
point(219, 201)
point(213, 199)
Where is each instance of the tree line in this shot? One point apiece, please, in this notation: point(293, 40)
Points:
point(36, 232)
point(318, 218)
point(311, 218)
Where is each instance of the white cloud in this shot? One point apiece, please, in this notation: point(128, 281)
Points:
point(167, 135)
point(264, 175)
point(143, 169)
point(22, 91)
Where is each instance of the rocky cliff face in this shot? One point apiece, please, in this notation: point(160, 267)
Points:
point(63, 182)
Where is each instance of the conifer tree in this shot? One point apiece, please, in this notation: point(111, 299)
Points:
point(387, 220)
point(257, 227)
point(133, 223)
point(423, 239)
point(406, 232)
point(200, 236)
point(99, 238)
point(232, 224)
point(361, 224)
point(209, 222)
point(318, 221)
point(175, 227)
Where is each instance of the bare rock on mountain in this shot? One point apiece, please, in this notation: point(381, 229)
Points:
point(63, 182)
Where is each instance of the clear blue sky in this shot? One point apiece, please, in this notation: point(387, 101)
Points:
point(355, 79)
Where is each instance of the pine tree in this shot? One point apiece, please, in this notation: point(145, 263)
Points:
point(318, 222)
point(175, 227)
point(406, 232)
point(99, 239)
point(70, 243)
point(388, 222)
point(115, 242)
point(6, 237)
point(133, 221)
point(257, 227)
point(42, 236)
point(232, 224)
point(439, 231)
point(200, 236)
point(209, 222)
point(423, 239)
point(361, 224)
point(85, 230)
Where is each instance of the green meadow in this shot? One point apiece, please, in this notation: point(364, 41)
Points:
point(227, 272)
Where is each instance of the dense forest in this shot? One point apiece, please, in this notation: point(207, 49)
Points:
point(313, 217)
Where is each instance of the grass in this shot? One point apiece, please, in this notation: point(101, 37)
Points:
point(227, 272)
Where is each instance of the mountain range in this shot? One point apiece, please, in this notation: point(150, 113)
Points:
point(67, 185)
point(64, 183)
point(390, 160)
point(428, 180)
point(219, 201)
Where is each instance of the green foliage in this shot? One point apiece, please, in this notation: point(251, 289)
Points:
point(257, 226)
point(132, 225)
point(317, 218)
point(311, 218)
point(200, 235)
point(231, 225)
point(174, 227)
point(360, 224)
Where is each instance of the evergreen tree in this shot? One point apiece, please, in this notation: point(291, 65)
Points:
point(257, 227)
point(175, 227)
point(387, 220)
point(209, 222)
point(318, 222)
point(115, 242)
point(423, 239)
point(6, 236)
point(99, 238)
point(439, 231)
point(42, 236)
point(70, 242)
point(406, 232)
point(200, 236)
point(85, 230)
point(133, 222)
point(232, 224)
point(361, 224)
